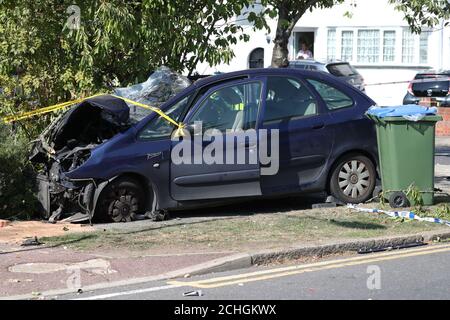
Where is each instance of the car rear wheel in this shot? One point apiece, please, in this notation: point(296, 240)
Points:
point(122, 200)
point(353, 179)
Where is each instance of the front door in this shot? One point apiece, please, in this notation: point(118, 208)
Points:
point(220, 160)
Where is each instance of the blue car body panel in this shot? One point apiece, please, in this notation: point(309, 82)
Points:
point(308, 147)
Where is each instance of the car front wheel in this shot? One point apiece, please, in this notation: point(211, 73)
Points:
point(353, 179)
point(122, 200)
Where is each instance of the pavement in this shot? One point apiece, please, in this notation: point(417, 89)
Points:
point(442, 164)
point(40, 271)
point(419, 273)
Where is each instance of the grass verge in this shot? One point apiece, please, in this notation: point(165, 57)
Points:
point(256, 232)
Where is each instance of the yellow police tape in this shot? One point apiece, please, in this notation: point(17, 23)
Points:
point(29, 114)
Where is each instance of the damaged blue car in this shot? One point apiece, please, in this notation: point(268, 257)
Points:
point(98, 161)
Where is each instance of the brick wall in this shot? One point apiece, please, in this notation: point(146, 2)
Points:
point(443, 127)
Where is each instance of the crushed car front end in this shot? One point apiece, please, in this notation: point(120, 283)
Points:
point(65, 146)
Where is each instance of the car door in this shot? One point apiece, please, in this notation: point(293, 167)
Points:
point(219, 159)
point(305, 139)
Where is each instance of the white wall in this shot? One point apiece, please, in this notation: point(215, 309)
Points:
point(377, 14)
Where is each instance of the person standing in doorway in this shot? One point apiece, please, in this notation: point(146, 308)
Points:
point(304, 52)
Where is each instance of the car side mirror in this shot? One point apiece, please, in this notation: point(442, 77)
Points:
point(192, 129)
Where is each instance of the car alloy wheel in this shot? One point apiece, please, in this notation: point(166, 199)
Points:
point(124, 206)
point(353, 179)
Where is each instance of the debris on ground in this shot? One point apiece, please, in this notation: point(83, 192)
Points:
point(196, 293)
point(4, 223)
point(17, 231)
point(31, 242)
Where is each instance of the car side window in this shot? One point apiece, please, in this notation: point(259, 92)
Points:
point(287, 98)
point(159, 128)
point(334, 98)
point(234, 107)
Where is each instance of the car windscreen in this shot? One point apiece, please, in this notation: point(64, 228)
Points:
point(342, 70)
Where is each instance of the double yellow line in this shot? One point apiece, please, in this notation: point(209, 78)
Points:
point(325, 265)
point(56, 107)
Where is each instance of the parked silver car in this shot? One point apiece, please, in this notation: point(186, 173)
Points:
point(343, 70)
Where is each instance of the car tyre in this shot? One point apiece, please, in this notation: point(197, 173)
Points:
point(353, 179)
point(122, 200)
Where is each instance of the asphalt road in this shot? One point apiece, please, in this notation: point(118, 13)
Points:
point(418, 273)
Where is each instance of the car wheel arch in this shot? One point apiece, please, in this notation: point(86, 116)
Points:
point(143, 181)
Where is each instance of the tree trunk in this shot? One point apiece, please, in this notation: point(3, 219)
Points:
point(280, 54)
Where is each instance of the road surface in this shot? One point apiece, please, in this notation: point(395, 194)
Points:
point(416, 273)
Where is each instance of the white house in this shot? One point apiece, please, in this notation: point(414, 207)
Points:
point(375, 39)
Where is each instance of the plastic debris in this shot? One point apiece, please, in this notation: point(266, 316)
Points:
point(162, 85)
point(196, 293)
point(400, 214)
point(31, 242)
point(409, 112)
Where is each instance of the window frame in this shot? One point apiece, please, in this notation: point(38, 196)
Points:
point(397, 46)
point(199, 100)
point(294, 118)
point(384, 46)
point(332, 44)
point(353, 105)
point(191, 98)
point(360, 41)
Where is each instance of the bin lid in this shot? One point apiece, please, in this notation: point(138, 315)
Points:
point(411, 112)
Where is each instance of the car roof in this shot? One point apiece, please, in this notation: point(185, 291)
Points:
point(315, 62)
point(446, 72)
point(307, 61)
point(253, 73)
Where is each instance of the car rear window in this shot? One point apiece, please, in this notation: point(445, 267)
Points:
point(334, 98)
point(342, 70)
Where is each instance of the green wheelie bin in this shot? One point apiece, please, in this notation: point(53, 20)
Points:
point(406, 157)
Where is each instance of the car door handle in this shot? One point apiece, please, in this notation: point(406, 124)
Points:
point(318, 126)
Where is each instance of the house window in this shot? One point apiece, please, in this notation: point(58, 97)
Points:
point(368, 45)
point(423, 57)
point(407, 46)
point(389, 46)
point(331, 44)
point(347, 45)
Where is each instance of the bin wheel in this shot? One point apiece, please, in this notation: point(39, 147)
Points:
point(398, 200)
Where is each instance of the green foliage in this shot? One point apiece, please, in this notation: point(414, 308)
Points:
point(45, 60)
point(16, 178)
point(442, 211)
point(414, 195)
point(423, 13)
